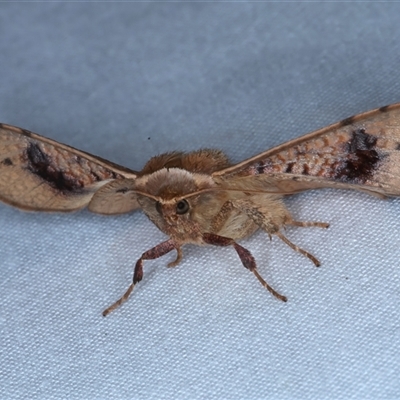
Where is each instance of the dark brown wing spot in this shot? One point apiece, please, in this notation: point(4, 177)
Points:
point(42, 165)
point(361, 141)
point(122, 190)
point(289, 167)
point(26, 132)
point(306, 169)
point(384, 108)
point(362, 159)
point(347, 121)
point(260, 168)
point(7, 162)
point(97, 178)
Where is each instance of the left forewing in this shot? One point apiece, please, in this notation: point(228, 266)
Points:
point(37, 173)
point(360, 152)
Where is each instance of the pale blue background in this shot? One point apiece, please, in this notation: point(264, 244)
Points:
point(127, 81)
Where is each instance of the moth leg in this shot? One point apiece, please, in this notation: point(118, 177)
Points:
point(306, 224)
point(155, 252)
point(178, 258)
point(298, 249)
point(257, 209)
point(245, 256)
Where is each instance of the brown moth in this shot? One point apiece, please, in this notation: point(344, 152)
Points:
point(199, 197)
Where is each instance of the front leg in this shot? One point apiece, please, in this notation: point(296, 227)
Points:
point(245, 256)
point(155, 252)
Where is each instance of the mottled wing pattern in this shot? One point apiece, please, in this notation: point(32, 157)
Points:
point(360, 152)
point(37, 173)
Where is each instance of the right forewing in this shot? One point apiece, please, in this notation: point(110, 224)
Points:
point(360, 152)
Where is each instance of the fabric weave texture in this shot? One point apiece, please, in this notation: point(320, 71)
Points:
point(127, 81)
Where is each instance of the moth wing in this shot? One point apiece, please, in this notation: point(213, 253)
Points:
point(116, 197)
point(37, 173)
point(361, 152)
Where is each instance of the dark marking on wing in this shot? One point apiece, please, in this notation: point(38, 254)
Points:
point(41, 164)
point(94, 175)
point(122, 190)
point(361, 161)
point(289, 167)
point(347, 121)
point(26, 132)
point(260, 168)
point(398, 146)
point(263, 167)
point(361, 141)
point(306, 169)
point(7, 161)
point(384, 108)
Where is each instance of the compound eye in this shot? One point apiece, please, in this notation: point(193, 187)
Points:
point(182, 207)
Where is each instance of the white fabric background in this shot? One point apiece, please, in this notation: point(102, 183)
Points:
point(127, 81)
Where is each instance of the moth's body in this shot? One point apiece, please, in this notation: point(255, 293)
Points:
point(199, 197)
point(213, 208)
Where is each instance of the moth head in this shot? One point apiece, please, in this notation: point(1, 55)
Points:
point(177, 207)
point(170, 186)
point(171, 198)
point(173, 211)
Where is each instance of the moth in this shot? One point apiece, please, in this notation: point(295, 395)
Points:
point(199, 197)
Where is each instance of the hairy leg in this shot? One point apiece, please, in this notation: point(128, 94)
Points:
point(307, 224)
point(298, 249)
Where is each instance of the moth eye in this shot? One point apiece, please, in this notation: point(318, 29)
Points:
point(182, 207)
point(159, 207)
